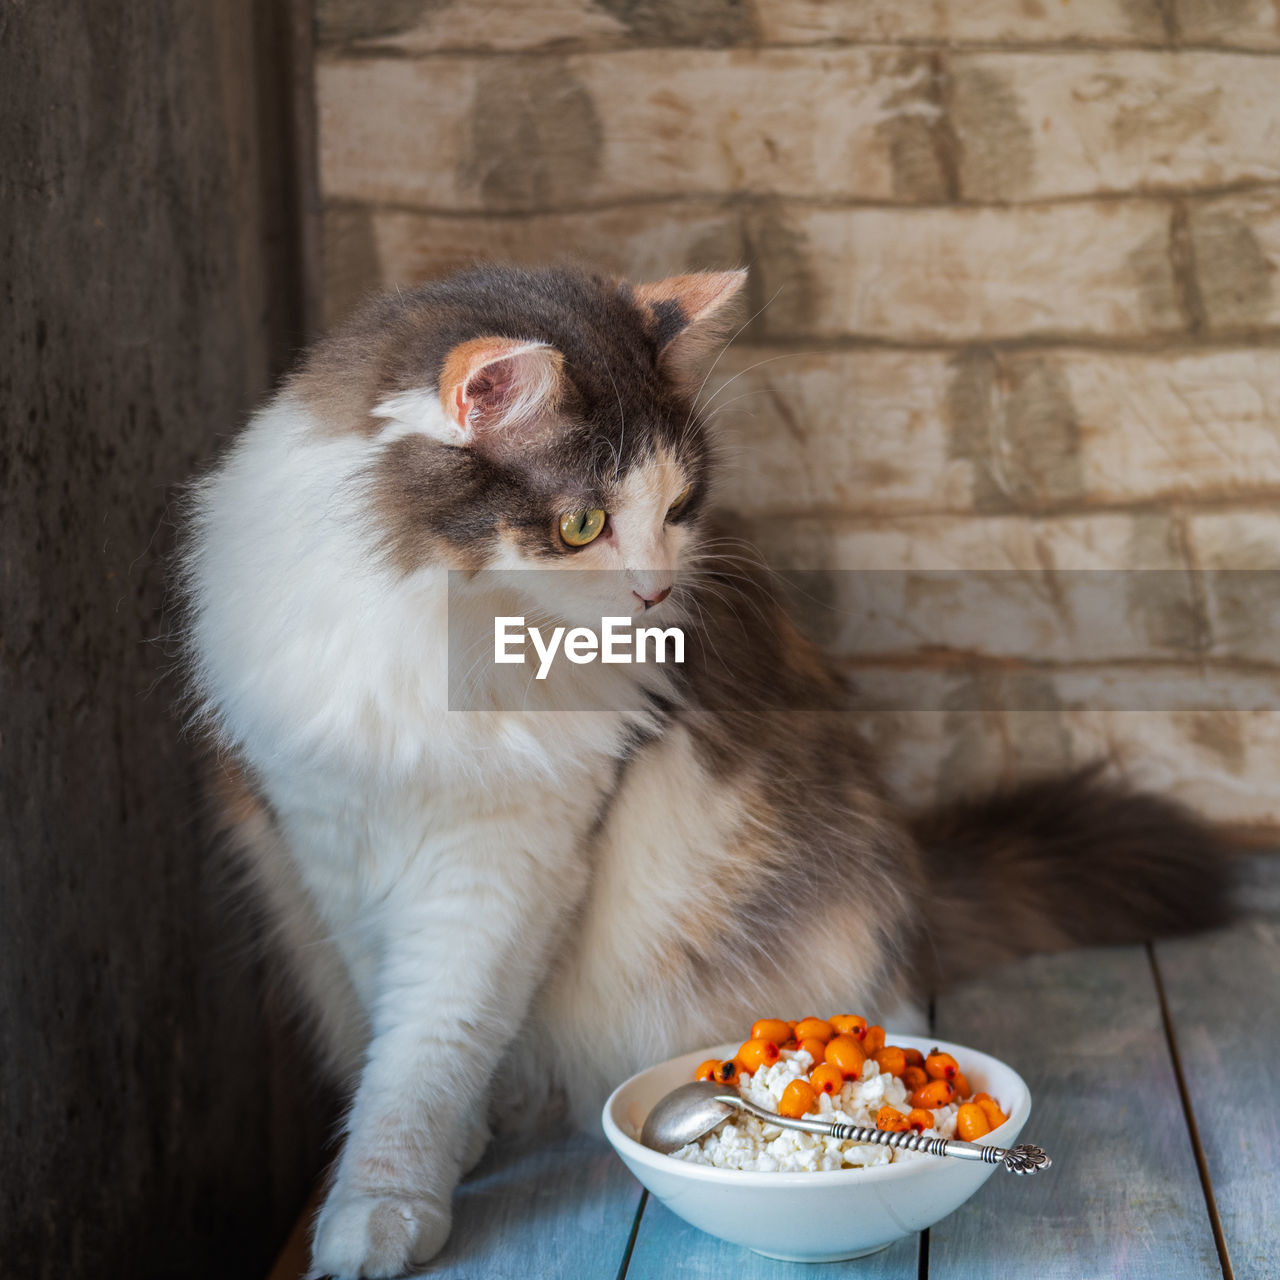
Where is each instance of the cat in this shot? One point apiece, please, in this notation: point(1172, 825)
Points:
point(552, 898)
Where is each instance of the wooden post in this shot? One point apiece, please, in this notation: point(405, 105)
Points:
point(155, 1115)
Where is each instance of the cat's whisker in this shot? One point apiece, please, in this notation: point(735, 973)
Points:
point(785, 355)
point(733, 338)
point(622, 416)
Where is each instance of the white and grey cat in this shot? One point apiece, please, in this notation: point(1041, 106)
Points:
point(587, 891)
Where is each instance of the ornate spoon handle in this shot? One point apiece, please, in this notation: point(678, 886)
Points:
point(1024, 1158)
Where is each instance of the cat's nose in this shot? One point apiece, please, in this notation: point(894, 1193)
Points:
point(656, 598)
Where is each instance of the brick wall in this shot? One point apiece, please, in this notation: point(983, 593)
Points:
point(1015, 263)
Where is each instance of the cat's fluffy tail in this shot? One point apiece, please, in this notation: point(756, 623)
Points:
point(1064, 862)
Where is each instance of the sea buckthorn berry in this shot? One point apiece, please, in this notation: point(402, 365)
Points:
point(848, 1024)
point(995, 1117)
point(797, 1098)
point(914, 1078)
point(815, 1048)
point(941, 1066)
point(845, 1054)
point(727, 1072)
point(873, 1039)
point(814, 1029)
point(982, 1097)
point(971, 1124)
point(920, 1119)
point(755, 1054)
point(707, 1070)
point(827, 1079)
point(891, 1059)
point(961, 1082)
point(914, 1057)
point(770, 1029)
point(937, 1093)
point(892, 1119)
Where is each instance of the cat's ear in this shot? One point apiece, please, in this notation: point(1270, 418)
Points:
point(491, 390)
point(691, 317)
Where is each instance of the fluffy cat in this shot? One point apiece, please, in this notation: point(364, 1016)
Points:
point(607, 885)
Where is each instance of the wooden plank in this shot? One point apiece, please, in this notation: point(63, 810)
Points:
point(668, 1246)
point(563, 1208)
point(1124, 1198)
point(1221, 993)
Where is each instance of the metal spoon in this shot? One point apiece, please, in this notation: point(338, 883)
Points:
point(694, 1110)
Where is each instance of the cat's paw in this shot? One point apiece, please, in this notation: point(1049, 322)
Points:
point(375, 1237)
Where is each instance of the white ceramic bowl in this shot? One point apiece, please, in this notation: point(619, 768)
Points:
point(811, 1217)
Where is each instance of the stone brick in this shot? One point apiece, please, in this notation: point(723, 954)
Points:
point(1079, 269)
point(476, 133)
point(1045, 125)
point(1244, 24)
point(1240, 551)
point(835, 431)
point(948, 21)
point(370, 248)
point(1236, 246)
point(897, 432)
point(420, 26)
point(886, 431)
point(1220, 761)
point(1194, 424)
point(1070, 589)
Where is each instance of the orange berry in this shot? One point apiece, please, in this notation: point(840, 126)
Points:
point(755, 1054)
point(971, 1123)
point(770, 1029)
point(815, 1048)
point(914, 1057)
point(937, 1093)
point(845, 1054)
point(892, 1119)
point(914, 1078)
point(962, 1085)
point(995, 1117)
point(873, 1039)
point(983, 1097)
point(941, 1066)
point(727, 1072)
point(827, 1079)
point(814, 1029)
point(848, 1024)
point(707, 1070)
point(920, 1119)
point(797, 1098)
point(891, 1059)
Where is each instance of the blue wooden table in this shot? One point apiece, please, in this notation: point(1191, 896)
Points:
point(1155, 1079)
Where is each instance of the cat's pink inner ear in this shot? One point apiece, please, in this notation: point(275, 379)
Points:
point(499, 384)
point(691, 317)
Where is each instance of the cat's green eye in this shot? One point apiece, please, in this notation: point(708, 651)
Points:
point(577, 528)
point(681, 498)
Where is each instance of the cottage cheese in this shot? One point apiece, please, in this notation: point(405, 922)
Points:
point(749, 1143)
